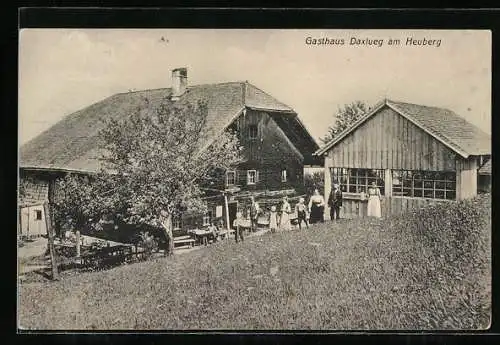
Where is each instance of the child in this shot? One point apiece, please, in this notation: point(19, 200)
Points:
point(214, 232)
point(285, 215)
point(300, 209)
point(273, 219)
point(237, 227)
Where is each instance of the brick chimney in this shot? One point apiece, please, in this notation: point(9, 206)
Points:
point(179, 82)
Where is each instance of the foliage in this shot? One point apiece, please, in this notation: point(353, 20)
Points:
point(344, 118)
point(77, 202)
point(362, 274)
point(155, 162)
point(148, 243)
point(161, 156)
point(314, 181)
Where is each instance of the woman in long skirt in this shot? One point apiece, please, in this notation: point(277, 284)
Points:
point(374, 196)
point(286, 209)
point(316, 207)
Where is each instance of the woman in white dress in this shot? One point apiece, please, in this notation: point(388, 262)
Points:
point(374, 197)
point(286, 209)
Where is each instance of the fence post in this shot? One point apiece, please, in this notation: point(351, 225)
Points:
point(78, 242)
point(50, 233)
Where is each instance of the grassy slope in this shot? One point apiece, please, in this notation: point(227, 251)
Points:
point(359, 274)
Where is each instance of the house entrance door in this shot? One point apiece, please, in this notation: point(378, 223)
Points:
point(233, 208)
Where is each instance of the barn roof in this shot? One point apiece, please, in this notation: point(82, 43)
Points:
point(486, 168)
point(450, 129)
point(72, 143)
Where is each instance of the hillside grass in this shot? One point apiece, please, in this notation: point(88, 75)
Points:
point(426, 270)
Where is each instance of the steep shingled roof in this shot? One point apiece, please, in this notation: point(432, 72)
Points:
point(72, 143)
point(452, 130)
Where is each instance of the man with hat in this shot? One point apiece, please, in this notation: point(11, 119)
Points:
point(335, 201)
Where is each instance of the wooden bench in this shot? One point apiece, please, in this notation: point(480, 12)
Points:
point(184, 241)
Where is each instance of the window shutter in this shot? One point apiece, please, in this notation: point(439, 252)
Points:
point(256, 176)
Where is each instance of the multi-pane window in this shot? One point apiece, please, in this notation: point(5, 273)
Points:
point(251, 176)
point(176, 222)
point(358, 180)
point(424, 184)
point(230, 178)
point(207, 218)
point(38, 215)
point(283, 176)
point(253, 131)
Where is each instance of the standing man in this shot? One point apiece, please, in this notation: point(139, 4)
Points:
point(254, 213)
point(335, 202)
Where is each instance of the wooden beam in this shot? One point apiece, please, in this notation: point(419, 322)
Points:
point(328, 184)
point(226, 205)
point(50, 232)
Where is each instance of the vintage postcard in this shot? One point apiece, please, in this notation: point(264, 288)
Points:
point(210, 179)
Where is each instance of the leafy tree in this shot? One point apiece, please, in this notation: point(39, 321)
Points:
point(344, 118)
point(78, 201)
point(314, 181)
point(160, 158)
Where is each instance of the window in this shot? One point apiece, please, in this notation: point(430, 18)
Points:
point(253, 131)
point(424, 184)
point(230, 178)
point(358, 180)
point(207, 218)
point(283, 176)
point(251, 176)
point(177, 223)
point(38, 215)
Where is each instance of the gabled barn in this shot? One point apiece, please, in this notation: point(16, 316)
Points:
point(276, 143)
point(416, 155)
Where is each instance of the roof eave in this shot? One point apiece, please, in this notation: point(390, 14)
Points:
point(299, 121)
point(271, 110)
point(460, 151)
point(348, 130)
point(56, 169)
point(342, 135)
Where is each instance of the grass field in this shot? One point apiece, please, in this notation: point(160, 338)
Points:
point(426, 270)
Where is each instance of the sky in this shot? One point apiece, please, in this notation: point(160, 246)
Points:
point(62, 70)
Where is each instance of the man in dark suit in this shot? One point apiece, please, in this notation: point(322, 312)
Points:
point(335, 202)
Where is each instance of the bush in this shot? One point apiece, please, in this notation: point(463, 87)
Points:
point(148, 243)
point(425, 270)
point(451, 259)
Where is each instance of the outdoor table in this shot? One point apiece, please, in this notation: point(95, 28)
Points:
point(201, 235)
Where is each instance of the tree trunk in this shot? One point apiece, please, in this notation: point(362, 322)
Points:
point(167, 227)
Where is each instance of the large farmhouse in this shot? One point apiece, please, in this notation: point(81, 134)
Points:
point(416, 155)
point(276, 144)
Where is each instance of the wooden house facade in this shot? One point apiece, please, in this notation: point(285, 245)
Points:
point(416, 155)
point(276, 145)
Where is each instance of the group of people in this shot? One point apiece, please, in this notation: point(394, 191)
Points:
point(280, 219)
point(317, 203)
